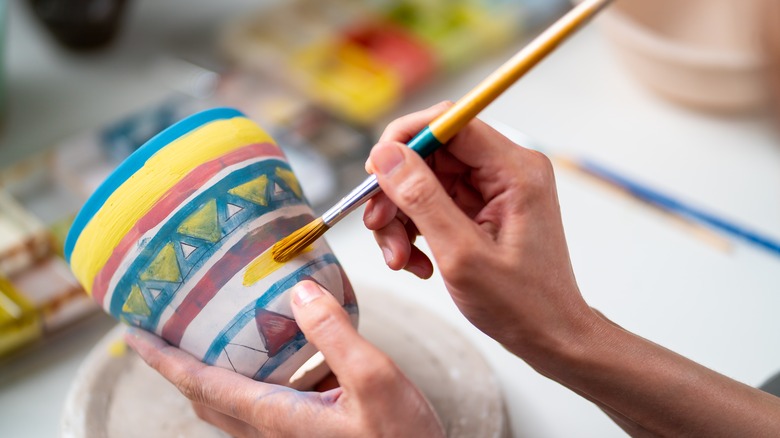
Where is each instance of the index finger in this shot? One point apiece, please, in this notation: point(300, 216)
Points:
point(404, 128)
point(223, 390)
point(477, 145)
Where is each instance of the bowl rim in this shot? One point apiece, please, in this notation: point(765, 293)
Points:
point(661, 46)
point(134, 162)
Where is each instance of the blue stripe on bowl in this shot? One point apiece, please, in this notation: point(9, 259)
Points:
point(136, 161)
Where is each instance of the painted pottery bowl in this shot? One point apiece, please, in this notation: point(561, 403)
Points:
point(178, 240)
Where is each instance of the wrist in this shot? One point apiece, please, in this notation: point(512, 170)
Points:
point(566, 343)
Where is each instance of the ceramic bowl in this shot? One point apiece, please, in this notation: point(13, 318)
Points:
point(702, 53)
point(177, 241)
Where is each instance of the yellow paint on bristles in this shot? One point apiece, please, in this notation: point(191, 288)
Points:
point(292, 245)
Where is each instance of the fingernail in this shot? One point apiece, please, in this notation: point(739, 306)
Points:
point(387, 253)
point(138, 333)
point(386, 157)
point(306, 292)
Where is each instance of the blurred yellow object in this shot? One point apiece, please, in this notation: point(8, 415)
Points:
point(19, 320)
point(347, 80)
point(701, 53)
point(23, 238)
point(357, 59)
point(118, 348)
point(457, 34)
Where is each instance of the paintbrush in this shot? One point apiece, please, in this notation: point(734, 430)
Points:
point(444, 127)
point(676, 206)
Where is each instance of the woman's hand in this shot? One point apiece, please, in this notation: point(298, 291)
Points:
point(488, 209)
point(375, 398)
point(489, 212)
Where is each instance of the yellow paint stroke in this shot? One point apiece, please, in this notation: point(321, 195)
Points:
point(289, 178)
point(118, 348)
point(203, 224)
point(164, 267)
point(263, 266)
point(253, 191)
point(136, 304)
point(136, 196)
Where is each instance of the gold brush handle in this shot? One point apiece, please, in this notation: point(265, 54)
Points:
point(451, 122)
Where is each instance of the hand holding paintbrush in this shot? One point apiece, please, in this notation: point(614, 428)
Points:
point(449, 123)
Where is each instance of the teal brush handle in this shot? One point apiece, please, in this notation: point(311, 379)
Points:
point(424, 143)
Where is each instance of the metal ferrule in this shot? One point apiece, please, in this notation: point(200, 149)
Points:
point(353, 200)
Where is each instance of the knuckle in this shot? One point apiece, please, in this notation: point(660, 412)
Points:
point(416, 193)
point(397, 124)
point(540, 174)
point(401, 123)
point(322, 320)
point(155, 359)
point(377, 371)
point(191, 386)
point(444, 105)
point(457, 265)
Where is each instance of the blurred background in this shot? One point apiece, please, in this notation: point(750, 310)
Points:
point(86, 82)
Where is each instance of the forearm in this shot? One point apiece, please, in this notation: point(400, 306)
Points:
point(651, 389)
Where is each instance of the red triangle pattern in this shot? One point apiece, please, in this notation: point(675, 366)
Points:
point(277, 330)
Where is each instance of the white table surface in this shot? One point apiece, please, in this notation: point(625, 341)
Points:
point(638, 267)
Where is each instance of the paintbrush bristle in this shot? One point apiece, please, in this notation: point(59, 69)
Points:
point(292, 245)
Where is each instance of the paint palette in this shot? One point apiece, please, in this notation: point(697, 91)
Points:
point(19, 321)
point(23, 237)
point(359, 60)
point(38, 294)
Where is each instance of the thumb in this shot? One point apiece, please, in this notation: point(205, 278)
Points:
point(328, 327)
point(412, 186)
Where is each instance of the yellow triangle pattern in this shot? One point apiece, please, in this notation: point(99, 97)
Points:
point(203, 224)
point(164, 267)
point(253, 191)
point(135, 303)
point(289, 178)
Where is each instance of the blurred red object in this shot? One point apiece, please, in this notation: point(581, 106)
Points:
point(396, 49)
